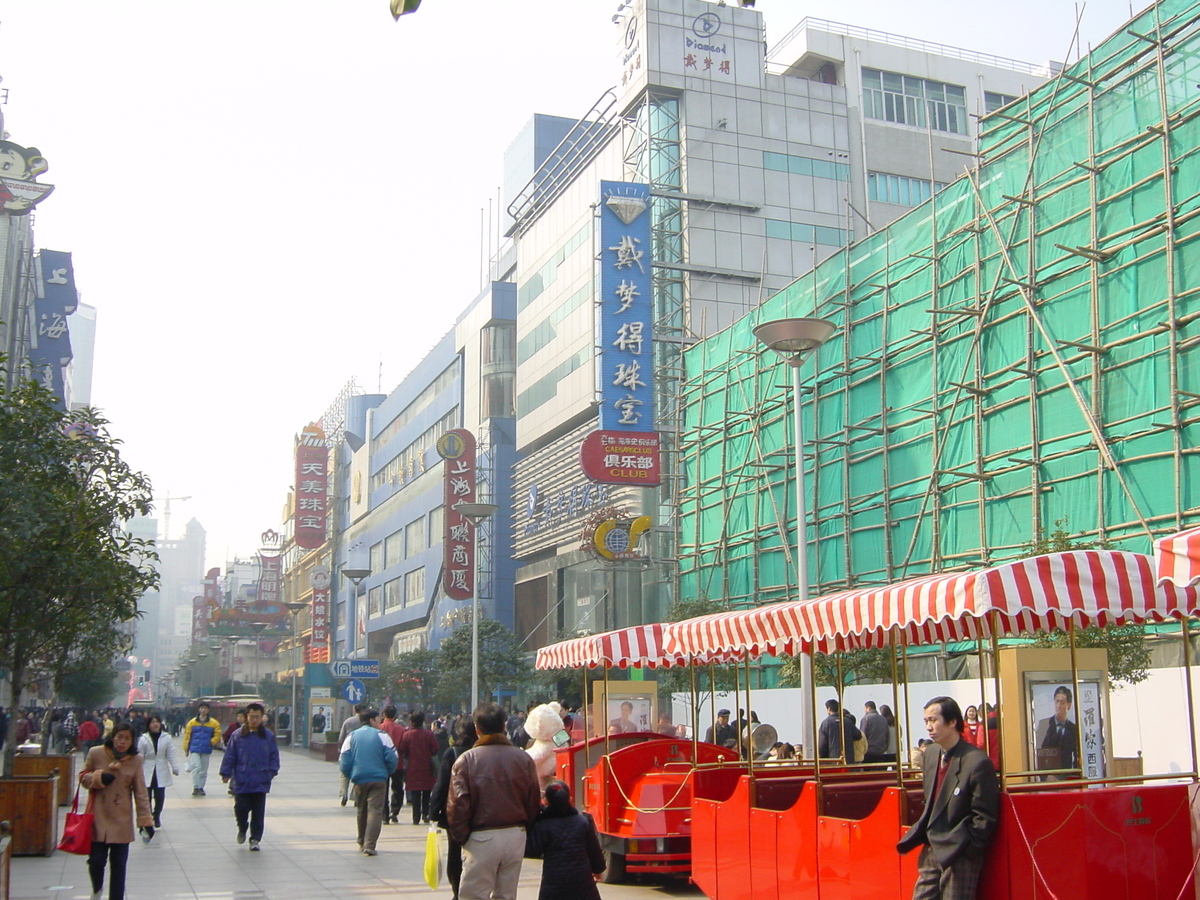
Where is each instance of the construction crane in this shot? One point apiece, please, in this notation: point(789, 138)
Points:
point(166, 501)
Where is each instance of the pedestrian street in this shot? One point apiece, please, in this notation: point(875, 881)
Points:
point(308, 851)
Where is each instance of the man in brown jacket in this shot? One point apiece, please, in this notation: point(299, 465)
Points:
point(494, 795)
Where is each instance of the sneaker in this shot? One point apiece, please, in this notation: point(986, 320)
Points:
point(241, 835)
point(157, 823)
point(369, 851)
point(343, 801)
point(196, 792)
point(395, 820)
point(146, 836)
point(254, 845)
point(200, 791)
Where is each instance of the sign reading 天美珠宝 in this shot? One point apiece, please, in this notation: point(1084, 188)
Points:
point(626, 321)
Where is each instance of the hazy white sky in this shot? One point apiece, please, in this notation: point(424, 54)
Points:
point(265, 198)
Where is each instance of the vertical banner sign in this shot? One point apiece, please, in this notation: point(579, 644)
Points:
point(199, 620)
point(457, 448)
point(312, 482)
point(50, 341)
point(626, 320)
point(268, 581)
point(318, 648)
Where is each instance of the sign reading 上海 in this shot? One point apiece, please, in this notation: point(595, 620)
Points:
point(50, 339)
point(621, 457)
point(312, 481)
point(457, 448)
point(626, 320)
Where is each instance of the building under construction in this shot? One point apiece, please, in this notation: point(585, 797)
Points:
point(1018, 351)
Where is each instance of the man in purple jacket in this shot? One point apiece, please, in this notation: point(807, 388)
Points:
point(252, 761)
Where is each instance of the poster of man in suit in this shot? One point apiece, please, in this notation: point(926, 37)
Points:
point(1057, 737)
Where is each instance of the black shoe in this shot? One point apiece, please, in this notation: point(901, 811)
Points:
point(343, 801)
point(157, 823)
point(254, 845)
point(395, 820)
point(200, 791)
point(241, 836)
point(196, 792)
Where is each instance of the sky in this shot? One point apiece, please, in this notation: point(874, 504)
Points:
point(267, 198)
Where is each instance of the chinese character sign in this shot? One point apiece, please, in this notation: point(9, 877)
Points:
point(312, 480)
point(50, 341)
point(268, 580)
point(457, 449)
point(626, 323)
point(199, 620)
point(624, 457)
point(318, 646)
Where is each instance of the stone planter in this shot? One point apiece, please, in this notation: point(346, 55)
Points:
point(326, 750)
point(30, 803)
point(63, 763)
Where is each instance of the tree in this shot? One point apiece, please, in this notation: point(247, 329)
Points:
point(501, 663)
point(66, 562)
point(410, 679)
point(1128, 656)
point(89, 651)
point(273, 692)
point(857, 667)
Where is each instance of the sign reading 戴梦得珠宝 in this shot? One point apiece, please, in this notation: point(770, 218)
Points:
point(626, 320)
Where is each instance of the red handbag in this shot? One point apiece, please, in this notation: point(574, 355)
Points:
point(77, 832)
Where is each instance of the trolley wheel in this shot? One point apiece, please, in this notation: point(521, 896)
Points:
point(614, 871)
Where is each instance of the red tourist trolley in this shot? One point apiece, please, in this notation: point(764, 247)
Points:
point(823, 829)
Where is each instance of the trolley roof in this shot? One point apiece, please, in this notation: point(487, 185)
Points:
point(1179, 558)
point(637, 647)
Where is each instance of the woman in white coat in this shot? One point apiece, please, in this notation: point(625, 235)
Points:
point(160, 760)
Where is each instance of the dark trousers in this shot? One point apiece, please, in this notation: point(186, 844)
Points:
point(250, 809)
point(453, 864)
point(158, 795)
point(394, 799)
point(955, 882)
point(102, 853)
point(419, 800)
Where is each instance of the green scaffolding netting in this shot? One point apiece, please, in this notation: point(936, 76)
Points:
point(1021, 350)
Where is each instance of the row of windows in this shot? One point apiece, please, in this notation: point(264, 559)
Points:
point(546, 275)
point(545, 388)
point(416, 407)
point(993, 101)
point(808, 234)
point(908, 100)
point(885, 188)
point(409, 463)
point(406, 542)
point(544, 331)
point(408, 590)
point(802, 165)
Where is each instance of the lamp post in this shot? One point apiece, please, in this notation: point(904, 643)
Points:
point(294, 607)
point(216, 652)
point(200, 657)
point(477, 513)
point(257, 628)
point(795, 340)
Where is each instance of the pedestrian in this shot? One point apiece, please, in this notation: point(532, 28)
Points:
point(419, 748)
point(89, 734)
point(837, 733)
point(494, 795)
point(160, 761)
point(239, 719)
point(350, 724)
point(395, 798)
point(962, 806)
point(874, 728)
point(464, 740)
point(112, 774)
point(368, 759)
point(566, 840)
point(201, 736)
point(252, 761)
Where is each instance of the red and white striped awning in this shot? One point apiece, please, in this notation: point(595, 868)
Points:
point(1179, 558)
point(639, 646)
point(1087, 587)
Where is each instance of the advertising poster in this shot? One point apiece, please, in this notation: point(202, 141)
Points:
point(1062, 724)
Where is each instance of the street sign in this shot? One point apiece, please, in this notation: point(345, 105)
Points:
point(354, 690)
point(354, 668)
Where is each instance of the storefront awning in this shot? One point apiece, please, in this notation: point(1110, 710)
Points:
point(637, 647)
point(1179, 558)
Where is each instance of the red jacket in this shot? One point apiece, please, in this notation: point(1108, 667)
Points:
point(417, 748)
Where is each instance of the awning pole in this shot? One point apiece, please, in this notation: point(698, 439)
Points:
point(995, 640)
point(1078, 707)
point(1187, 674)
point(841, 699)
point(587, 744)
point(749, 732)
point(695, 715)
point(896, 705)
point(982, 694)
point(812, 709)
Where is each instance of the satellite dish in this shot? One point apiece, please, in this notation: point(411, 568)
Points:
point(763, 738)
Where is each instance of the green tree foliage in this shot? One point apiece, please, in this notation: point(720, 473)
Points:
point(90, 683)
point(274, 692)
point(1128, 655)
point(65, 559)
point(857, 667)
point(501, 663)
point(409, 679)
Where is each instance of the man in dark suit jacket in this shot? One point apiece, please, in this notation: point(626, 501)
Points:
point(962, 804)
point(1060, 733)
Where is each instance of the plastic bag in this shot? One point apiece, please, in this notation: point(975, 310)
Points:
point(435, 859)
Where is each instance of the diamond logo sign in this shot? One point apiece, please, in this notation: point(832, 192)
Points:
point(626, 208)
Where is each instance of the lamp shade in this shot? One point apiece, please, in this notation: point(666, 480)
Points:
point(794, 339)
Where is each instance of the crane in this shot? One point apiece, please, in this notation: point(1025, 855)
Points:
point(167, 512)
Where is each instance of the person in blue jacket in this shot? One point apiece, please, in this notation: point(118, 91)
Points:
point(252, 761)
point(368, 759)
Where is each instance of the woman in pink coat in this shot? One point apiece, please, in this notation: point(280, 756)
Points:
point(113, 776)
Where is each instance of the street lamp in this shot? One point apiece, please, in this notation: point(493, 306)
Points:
point(795, 340)
point(477, 513)
point(257, 628)
point(216, 652)
point(294, 607)
point(200, 657)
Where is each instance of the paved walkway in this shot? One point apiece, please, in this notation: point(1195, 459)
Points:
point(309, 851)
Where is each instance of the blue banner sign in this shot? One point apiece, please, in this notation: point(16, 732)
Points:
point(50, 340)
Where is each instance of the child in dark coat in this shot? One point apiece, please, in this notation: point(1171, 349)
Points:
point(566, 840)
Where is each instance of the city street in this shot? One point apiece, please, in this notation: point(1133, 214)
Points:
point(308, 851)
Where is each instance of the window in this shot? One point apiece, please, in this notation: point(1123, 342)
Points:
point(885, 188)
point(377, 558)
point(993, 101)
point(374, 596)
point(414, 533)
point(393, 549)
point(409, 463)
point(416, 407)
point(414, 587)
point(391, 595)
point(802, 165)
point(437, 523)
point(907, 100)
point(808, 234)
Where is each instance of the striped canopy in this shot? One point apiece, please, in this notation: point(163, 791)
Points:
point(1087, 587)
point(1179, 558)
point(640, 646)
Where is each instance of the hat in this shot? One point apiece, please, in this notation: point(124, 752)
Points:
point(722, 712)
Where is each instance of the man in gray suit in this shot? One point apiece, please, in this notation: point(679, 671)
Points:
point(962, 804)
